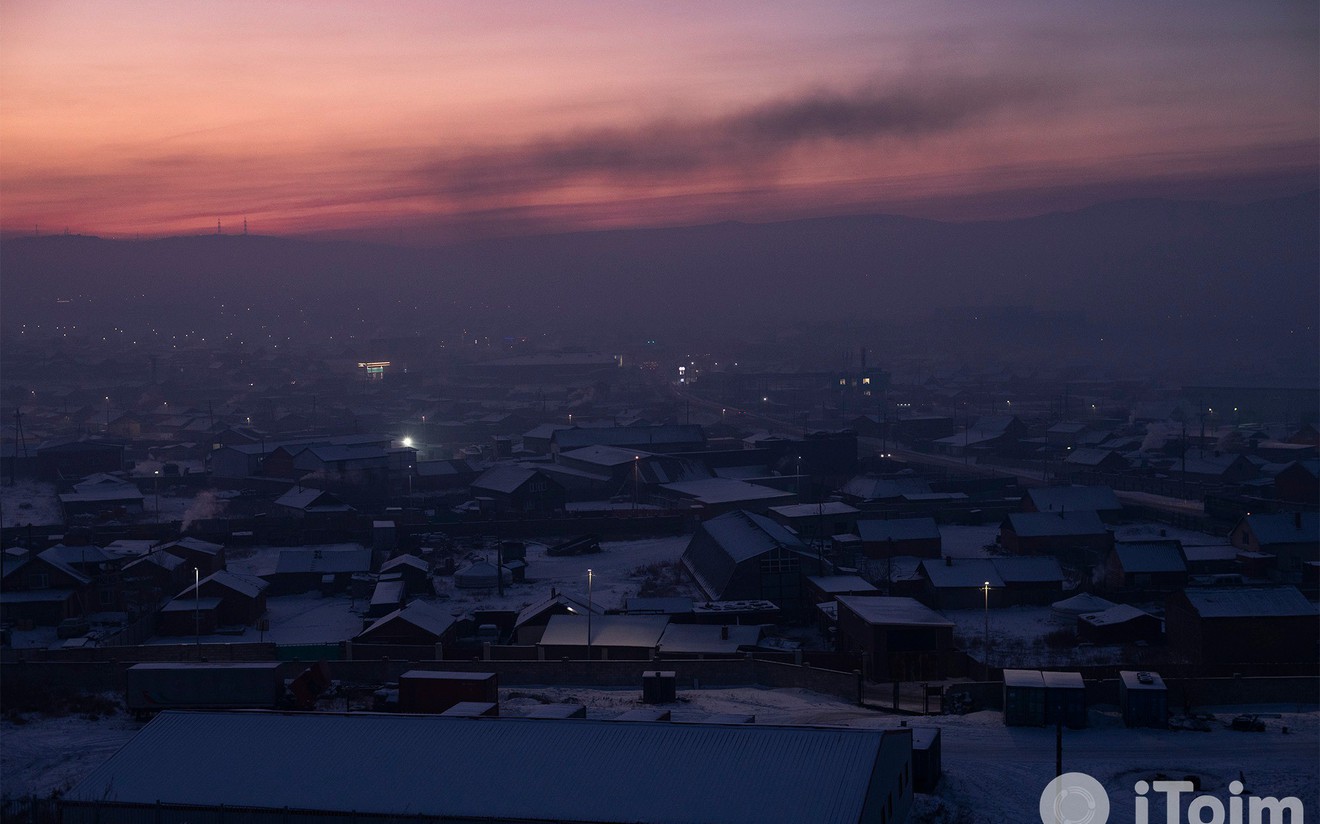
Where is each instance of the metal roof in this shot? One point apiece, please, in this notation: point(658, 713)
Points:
point(419, 614)
point(1152, 556)
point(638, 631)
point(578, 770)
point(893, 611)
point(1249, 602)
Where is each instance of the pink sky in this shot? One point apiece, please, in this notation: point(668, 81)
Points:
point(437, 118)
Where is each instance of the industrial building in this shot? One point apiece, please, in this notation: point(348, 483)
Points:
point(277, 767)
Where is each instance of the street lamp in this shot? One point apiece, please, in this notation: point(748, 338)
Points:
point(986, 589)
point(197, 607)
point(156, 474)
point(590, 609)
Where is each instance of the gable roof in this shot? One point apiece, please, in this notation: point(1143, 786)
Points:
point(637, 631)
point(249, 586)
point(312, 500)
point(505, 479)
point(1284, 527)
point(1055, 524)
point(893, 611)
point(1150, 556)
point(1074, 498)
point(420, 614)
point(574, 602)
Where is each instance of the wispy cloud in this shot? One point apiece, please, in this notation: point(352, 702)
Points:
point(751, 140)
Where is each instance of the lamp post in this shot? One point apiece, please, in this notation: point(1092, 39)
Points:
point(590, 609)
point(156, 484)
point(986, 589)
point(197, 607)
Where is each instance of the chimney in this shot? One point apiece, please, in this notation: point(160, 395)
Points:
point(724, 633)
point(948, 560)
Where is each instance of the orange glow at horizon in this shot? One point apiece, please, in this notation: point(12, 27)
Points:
point(154, 118)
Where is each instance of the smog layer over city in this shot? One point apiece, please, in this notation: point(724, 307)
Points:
point(606, 412)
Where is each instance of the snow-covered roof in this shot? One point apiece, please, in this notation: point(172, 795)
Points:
point(1285, 527)
point(419, 614)
point(725, 490)
point(708, 638)
point(898, 529)
point(1062, 680)
point(195, 545)
point(248, 585)
point(745, 535)
point(1082, 602)
point(578, 770)
point(1023, 678)
point(840, 583)
point(400, 561)
point(893, 611)
point(603, 455)
point(879, 489)
point(1120, 614)
point(813, 510)
point(659, 605)
point(55, 561)
point(638, 631)
point(387, 592)
point(182, 604)
point(1249, 602)
point(504, 479)
point(317, 500)
point(1150, 556)
point(962, 573)
point(574, 602)
point(1089, 457)
point(76, 555)
point(1073, 498)
point(1055, 524)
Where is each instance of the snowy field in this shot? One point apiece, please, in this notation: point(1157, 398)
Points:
point(992, 774)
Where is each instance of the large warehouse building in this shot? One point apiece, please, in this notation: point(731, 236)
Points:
point(262, 768)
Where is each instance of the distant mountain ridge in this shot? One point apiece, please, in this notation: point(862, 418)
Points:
point(1238, 267)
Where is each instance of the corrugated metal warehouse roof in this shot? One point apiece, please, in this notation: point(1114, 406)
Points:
point(580, 770)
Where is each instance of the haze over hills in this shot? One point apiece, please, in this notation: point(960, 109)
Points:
point(1186, 276)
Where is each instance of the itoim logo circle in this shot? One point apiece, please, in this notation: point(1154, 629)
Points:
point(1074, 798)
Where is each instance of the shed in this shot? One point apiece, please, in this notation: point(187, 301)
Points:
point(1144, 699)
point(1065, 695)
point(1024, 698)
point(436, 691)
point(659, 687)
point(927, 764)
point(1120, 624)
point(385, 598)
point(1069, 610)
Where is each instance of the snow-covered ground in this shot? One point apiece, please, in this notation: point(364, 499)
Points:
point(313, 618)
point(1017, 639)
point(29, 502)
point(992, 774)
